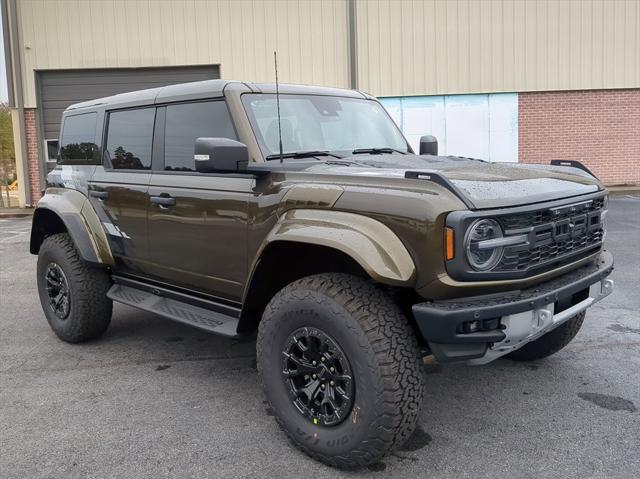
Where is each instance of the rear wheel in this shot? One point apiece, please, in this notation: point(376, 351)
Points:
point(550, 343)
point(73, 294)
point(341, 369)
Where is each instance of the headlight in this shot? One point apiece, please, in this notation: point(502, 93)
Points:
point(482, 254)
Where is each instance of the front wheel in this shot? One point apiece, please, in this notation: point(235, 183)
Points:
point(341, 369)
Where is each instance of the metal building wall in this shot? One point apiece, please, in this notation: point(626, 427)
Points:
point(478, 126)
point(240, 35)
point(415, 47)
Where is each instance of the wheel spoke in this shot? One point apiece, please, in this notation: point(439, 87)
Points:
point(303, 347)
point(302, 366)
point(310, 391)
point(342, 393)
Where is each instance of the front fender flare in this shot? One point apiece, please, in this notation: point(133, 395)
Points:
point(370, 243)
point(80, 220)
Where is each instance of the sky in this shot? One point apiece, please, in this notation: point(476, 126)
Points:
point(4, 95)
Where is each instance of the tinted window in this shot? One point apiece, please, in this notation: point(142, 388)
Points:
point(188, 121)
point(130, 138)
point(78, 143)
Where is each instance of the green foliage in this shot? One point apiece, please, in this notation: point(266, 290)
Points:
point(7, 151)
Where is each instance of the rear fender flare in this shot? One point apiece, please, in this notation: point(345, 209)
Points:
point(80, 221)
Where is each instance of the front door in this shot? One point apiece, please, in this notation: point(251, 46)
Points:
point(197, 223)
point(198, 231)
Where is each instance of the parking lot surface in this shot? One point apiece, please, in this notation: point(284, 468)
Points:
point(153, 398)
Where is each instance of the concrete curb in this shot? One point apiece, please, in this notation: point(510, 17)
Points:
point(16, 212)
point(623, 190)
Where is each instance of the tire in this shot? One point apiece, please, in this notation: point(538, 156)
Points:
point(550, 343)
point(381, 352)
point(86, 313)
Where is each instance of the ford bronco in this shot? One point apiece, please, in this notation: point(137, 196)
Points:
point(303, 216)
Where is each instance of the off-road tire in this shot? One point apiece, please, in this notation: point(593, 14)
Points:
point(90, 309)
point(382, 349)
point(550, 343)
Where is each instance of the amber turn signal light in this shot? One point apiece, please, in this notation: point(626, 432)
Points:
point(449, 251)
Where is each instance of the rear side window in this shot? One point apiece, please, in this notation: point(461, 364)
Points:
point(186, 122)
point(78, 142)
point(130, 138)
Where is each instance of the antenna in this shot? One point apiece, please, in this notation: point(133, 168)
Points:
point(275, 61)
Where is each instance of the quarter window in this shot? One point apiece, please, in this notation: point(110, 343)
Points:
point(78, 143)
point(188, 121)
point(130, 138)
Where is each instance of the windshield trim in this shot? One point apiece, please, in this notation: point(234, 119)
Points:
point(265, 152)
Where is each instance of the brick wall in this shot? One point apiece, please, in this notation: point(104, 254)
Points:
point(600, 128)
point(33, 161)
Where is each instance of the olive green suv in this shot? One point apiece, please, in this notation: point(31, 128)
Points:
point(303, 216)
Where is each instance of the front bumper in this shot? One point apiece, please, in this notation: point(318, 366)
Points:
point(508, 321)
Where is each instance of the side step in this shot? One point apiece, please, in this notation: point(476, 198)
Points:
point(225, 324)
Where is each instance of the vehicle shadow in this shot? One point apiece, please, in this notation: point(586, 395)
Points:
point(463, 405)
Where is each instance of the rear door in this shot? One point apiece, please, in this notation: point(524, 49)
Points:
point(119, 189)
point(198, 222)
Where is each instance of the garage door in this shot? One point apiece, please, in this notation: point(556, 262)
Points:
point(60, 88)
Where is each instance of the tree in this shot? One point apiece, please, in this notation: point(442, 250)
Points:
point(7, 152)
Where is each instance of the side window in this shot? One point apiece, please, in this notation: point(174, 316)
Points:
point(78, 142)
point(130, 138)
point(186, 122)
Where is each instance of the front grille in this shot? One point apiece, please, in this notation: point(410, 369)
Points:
point(547, 215)
point(555, 236)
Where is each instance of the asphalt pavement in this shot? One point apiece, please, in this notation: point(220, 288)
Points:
point(153, 398)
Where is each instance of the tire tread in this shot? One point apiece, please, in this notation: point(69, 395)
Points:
point(399, 390)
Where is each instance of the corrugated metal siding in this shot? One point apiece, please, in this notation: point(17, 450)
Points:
point(311, 37)
point(61, 88)
point(414, 47)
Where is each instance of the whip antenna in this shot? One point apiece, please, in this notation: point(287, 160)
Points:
point(275, 61)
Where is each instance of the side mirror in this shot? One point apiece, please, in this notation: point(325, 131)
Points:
point(428, 145)
point(220, 155)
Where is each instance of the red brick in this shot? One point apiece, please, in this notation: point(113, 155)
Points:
point(33, 160)
point(600, 128)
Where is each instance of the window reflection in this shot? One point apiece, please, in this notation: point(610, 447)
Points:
point(130, 138)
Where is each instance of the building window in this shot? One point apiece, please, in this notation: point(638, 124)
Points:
point(78, 145)
point(130, 138)
point(188, 121)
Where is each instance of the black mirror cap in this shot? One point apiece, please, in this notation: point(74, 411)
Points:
point(220, 155)
point(428, 145)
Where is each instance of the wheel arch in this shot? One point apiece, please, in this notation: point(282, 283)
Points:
point(69, 211)
point(306, 242)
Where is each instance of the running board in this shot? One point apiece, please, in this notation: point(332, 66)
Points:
point(178, 310)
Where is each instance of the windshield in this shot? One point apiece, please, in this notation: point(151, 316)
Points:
point(321, 123)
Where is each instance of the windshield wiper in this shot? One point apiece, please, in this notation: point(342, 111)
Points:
point(377, 151)
point(302, 154)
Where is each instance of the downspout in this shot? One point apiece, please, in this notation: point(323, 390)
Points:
point(353, 47)
point(16, 94)
point(7, 53)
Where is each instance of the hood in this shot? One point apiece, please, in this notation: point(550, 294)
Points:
point(481, 184)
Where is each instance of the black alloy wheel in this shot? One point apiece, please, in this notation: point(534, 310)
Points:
point(318, 376)
point(58, 290)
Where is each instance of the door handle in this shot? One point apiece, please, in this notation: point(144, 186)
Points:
point(101, 195)
point(163, 201)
